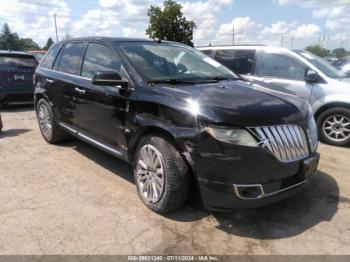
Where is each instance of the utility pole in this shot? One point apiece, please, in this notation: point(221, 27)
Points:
point(282, 38)
point(233, 34)
point(54, 18)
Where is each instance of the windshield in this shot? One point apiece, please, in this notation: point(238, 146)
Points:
point(321, 64)
point(166, 61)
point(17, 61)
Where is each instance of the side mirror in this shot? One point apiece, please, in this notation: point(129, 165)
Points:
point(109, 78)
point(311, 76)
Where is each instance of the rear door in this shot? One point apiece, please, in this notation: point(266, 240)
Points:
point(16, 74)
point(64, 78)
point(101, 109)
point(283, 70)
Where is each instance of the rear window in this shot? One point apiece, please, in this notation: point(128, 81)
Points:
point(239, 61)
point(17, 61)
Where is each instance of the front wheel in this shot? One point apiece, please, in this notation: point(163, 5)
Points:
point(334, 126)
point(161, 175)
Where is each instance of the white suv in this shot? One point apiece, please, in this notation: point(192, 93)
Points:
point(299, 72)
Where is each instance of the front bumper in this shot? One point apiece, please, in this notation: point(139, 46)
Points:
point(237, 177)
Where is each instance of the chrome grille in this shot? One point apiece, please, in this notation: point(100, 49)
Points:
point(287, 142)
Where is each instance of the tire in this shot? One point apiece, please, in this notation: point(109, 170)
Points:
point(328, 132)
point(49, 129)
point(175, 176)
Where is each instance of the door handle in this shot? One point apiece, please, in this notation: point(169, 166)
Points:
point(49, 80)
point(80, 91)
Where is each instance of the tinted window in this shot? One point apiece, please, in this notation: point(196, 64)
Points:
point(99, 58)
point(50, 56)
point(11, 61)
point(281, 66)
point(239, 61)
point(70, 58)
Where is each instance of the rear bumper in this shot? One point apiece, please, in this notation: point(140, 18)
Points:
point(232, 177)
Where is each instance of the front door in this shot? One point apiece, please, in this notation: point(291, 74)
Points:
point(282, 70)
point(101, 109)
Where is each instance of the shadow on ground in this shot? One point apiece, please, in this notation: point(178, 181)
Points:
point(17, 107)
point(13, 132)
point(317, 202)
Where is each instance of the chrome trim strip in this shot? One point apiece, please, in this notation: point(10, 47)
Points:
point(108, 148)
point(68, 128)
point(263, 194)
point(63, 73)
point(100, 144)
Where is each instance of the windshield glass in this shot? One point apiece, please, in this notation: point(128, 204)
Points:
point(166, 61)
point(321, 64)
point(17, 61)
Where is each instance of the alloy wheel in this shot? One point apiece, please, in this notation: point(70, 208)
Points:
point(45, 121)
point(149, 173)
point(337, 127)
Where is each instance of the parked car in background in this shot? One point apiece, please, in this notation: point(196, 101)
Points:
point(177, 115)
point(16, 76)
point(300, 72)
point(39, 54)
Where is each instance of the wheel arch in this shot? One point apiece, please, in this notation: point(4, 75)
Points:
point(329, 106)
point(147, 130)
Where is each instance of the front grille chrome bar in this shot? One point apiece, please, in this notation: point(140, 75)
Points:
point(286, 142)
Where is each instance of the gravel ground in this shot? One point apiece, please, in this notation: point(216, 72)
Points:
point(75, 199)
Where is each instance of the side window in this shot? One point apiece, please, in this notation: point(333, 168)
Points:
point(281, 66)
point(99, 58)
point(239, 61)
point(50, 56)
point(71, 56)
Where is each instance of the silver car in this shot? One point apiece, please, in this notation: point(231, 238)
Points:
point(299, 72)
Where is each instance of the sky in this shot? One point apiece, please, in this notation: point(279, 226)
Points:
point(289, 23)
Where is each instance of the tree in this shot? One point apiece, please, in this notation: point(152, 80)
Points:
point(48, 44)
point(8, 39)
point(11, 41)
point(317, 50)
point(340, 52)
point(26, 44)
point(169, 23)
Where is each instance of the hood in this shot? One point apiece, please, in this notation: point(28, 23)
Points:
point(235, 103)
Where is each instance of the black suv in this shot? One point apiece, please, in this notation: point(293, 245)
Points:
point(180, 117)
point(16, 76)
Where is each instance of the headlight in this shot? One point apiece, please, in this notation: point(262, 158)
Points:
point(237, 136)
point(312, 133)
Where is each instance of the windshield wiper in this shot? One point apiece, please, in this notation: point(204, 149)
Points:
point(172, 81)
point(220, 78)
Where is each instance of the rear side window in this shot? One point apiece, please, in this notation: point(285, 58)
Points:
point(239, 61)
point(50, 56)
point(71, 57)
point(99, 58)
point(14, 61)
